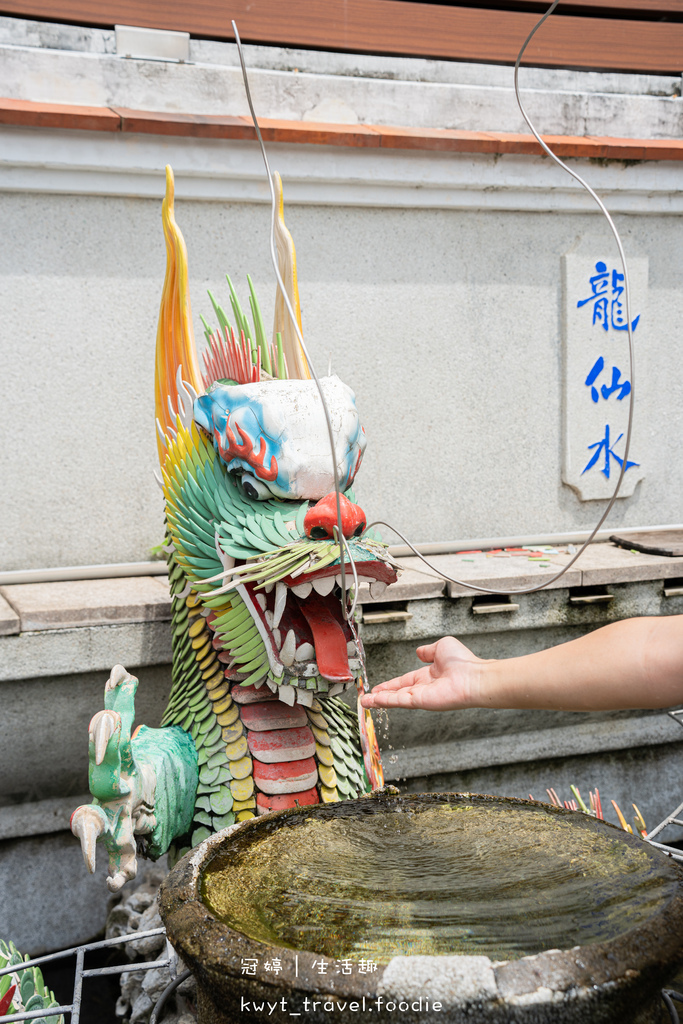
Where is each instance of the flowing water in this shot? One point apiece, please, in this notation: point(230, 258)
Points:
point(434, 878)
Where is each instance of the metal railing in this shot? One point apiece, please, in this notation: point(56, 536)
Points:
point(81, 972)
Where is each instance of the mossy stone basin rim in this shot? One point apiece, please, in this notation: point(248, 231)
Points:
point(621, 899)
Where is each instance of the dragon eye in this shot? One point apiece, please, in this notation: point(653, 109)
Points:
point(255, 489)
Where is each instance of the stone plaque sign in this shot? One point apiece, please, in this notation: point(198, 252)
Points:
point(597, 387)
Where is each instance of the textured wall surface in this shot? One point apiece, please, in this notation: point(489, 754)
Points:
point(446, 323)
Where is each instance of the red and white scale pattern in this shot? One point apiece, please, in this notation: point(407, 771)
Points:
point(283, 748)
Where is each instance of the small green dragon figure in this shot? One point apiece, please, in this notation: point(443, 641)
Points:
point(261, 646)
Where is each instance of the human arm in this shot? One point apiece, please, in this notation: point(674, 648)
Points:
point(635, 663)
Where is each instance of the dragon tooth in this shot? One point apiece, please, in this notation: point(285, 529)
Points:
point(351, 649)
point(323, 586)
point(304, 652)
point(280, 602)
point(288, 649)
point(377, 588)
point(287, 694)
point(269, 618)
point(269, 587)
point(277, 637)
point(303, 589)
point(335, 689)
point(261, 599)
point(304, 697)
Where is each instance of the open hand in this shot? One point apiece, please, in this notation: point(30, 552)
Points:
point(450, 679)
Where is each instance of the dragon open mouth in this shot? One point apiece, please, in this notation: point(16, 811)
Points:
point(301, 622)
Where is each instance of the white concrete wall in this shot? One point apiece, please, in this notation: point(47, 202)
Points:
point(433, 281)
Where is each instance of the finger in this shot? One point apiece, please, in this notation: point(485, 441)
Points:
point(418, 675)
point(408, 697)
point(426, 653)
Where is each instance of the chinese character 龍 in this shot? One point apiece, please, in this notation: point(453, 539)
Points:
point(605, 312)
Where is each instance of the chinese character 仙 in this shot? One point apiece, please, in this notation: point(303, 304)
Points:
point(249, 966)
point(604, 447)
point(622, 386)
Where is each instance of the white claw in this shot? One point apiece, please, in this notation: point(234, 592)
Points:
point(280, 603)
point(304, 652)
point(288, 649)
point(88, 822)
point(261, 598)
point(303, 589)
point(377, 588)
point(102, 727)
point(117, 676)
point(324, 586)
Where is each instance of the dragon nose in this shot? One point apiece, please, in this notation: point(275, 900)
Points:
point(321, 520)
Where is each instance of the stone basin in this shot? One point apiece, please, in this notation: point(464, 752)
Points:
point(430, 907)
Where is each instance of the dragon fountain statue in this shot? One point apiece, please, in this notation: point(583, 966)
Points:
point(262, 647)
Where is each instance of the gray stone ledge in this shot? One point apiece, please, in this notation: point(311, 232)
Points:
point(40, 817)
point(58, 652)
point(515, 748)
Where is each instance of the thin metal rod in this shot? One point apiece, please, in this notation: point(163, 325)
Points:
point(53, 1011)
point(78, 987)
point(161, 1001)
point(100, 944)
point(667, 821)
point(292, 315)
point(95, 972)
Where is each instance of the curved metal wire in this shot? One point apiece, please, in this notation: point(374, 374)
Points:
point(170, 988)
point(295, 323)
point(668, 995)
point(627, 296)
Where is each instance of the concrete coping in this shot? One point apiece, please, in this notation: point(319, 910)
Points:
point(31, 607)
point(33, 114)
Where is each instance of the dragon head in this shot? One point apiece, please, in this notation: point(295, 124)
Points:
point(250, 491)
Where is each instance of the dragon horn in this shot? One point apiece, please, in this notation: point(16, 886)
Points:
point(175, 337)
point(286, 258)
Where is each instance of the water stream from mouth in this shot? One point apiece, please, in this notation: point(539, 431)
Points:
point(442, 878)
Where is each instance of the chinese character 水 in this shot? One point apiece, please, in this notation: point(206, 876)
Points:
point(604, 447)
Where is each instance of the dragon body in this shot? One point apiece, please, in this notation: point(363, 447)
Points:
point(262, 649)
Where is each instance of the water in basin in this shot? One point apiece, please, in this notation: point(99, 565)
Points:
point(466, 877)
